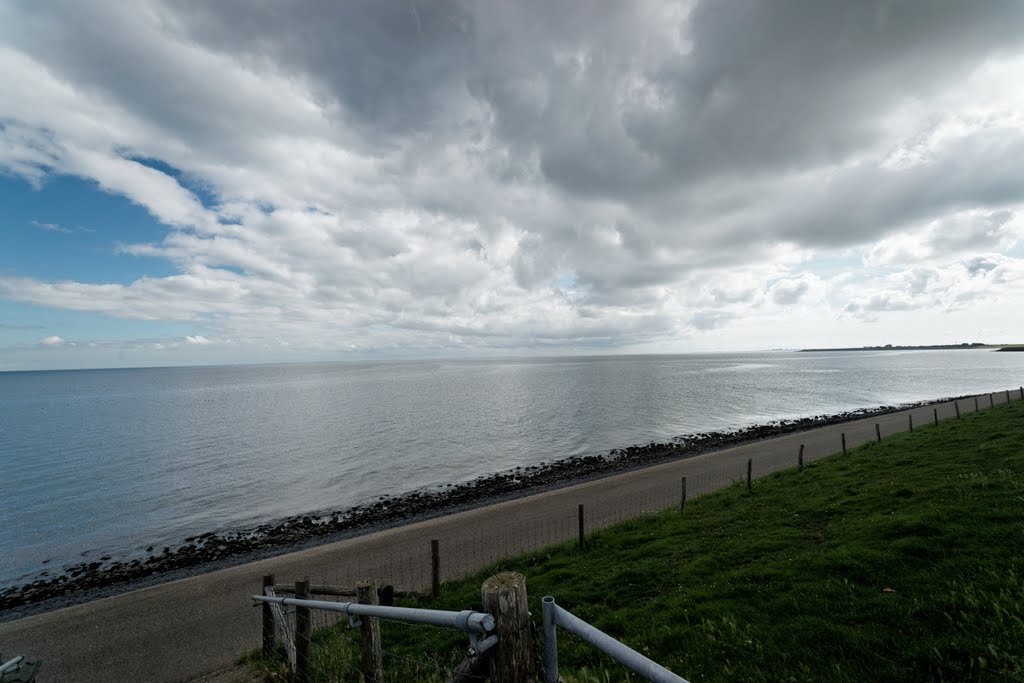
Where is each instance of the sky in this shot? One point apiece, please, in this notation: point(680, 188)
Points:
point(187, 182)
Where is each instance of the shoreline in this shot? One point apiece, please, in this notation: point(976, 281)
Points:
point(929, 347)
point(88, 581)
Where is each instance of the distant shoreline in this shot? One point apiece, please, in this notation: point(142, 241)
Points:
point(931, 347)
point(214, 550)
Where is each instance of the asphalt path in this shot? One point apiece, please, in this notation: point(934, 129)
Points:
point(191, 627)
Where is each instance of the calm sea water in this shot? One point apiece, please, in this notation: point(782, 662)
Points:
point(112, 461)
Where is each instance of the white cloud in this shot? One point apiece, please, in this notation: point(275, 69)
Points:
point(52, 227)
point(962, 232)
point(53, 340)
point(196, 339)
point(945, 288)
point(398, 183)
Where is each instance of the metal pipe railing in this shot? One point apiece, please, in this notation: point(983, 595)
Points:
point(555, 616)
point(12, 665)
point(466, 620)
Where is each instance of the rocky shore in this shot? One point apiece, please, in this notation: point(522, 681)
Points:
point(212, 550)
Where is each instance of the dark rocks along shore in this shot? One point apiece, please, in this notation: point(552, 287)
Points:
point(78, 583)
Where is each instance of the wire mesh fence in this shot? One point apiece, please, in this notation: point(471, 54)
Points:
point(335, 651)
point(420, 565)
point(480, 542)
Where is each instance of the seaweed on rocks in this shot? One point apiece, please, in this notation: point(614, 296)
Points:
point(81, 582)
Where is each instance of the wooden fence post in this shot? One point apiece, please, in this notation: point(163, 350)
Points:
point(956, 404)
point(268, 619)
point(991, 401)
point(910, 420)
point(935, 412)
point(303, 634)
point(1022, 393)
point(878, 433)
point(976, 408)
point(579, 519)
point(1007, 395)
point(369, 635)
point(682, 497)
point(800, 458)
point(843, 437)
point(750, 470)
point(435, 568)
point(282, 631)
point(504, 598)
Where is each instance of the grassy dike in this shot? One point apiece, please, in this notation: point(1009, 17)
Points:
point(902, 561)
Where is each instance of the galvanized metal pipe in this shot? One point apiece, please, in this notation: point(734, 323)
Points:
point(466, 620)
point(486, 644)
point(12, 665)
point(550, 640)
point(628, 657)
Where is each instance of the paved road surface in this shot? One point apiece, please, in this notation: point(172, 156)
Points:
point(188, 628)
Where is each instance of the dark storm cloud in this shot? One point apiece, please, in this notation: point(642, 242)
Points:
point(649, 103)
point(615, 108)
point(771, 87)
point(394, 65)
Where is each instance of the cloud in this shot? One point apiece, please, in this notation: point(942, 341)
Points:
point(52, 341)
point(196, 339)
point(61, 229)
point(52, 227)
point(944, 287)
point(962, 232)
point(710, 320)
point(789, 291)
point(398, 177)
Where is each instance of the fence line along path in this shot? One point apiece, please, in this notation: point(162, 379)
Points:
point(186, 628)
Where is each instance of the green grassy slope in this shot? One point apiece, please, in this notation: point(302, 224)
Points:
point(899, 562)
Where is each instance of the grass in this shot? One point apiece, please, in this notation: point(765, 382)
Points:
point(899, 562)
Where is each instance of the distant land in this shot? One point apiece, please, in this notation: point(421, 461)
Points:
point(931, 347)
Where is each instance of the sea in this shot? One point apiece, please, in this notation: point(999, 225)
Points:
point(100, 463)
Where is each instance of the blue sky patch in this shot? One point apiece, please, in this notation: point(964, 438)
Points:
point(69, 229)
point(566, 281)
